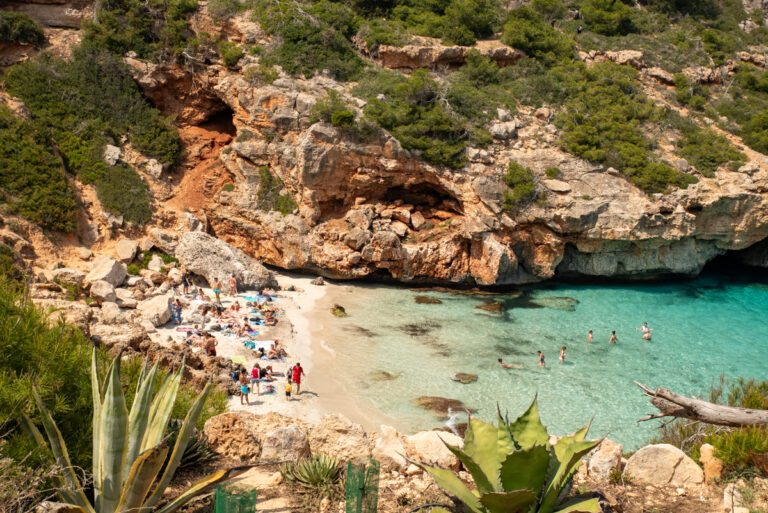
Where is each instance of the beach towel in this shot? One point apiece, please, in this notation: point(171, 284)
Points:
point(238, 359)
point(249, 345)
point(185, 330)
point(253, 333)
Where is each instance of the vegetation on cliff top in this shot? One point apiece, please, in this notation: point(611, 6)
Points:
point(18, 27)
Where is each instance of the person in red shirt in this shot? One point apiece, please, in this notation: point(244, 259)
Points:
point(297, 372)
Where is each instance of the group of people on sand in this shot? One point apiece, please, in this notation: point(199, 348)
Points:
point(267, 376)
point(541, 362)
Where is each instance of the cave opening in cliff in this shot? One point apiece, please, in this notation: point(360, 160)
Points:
point(221, 121)
point(425, 195)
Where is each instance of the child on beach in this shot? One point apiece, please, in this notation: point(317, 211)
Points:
point(589, 337)
point(542, 363)
point(613, 338)
point(509, 365)
point(244, 387)
point(217, 289)
point(288, 388)
point(562, 355)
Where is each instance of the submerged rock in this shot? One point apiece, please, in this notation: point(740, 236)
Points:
point(567, 304)
point(442, 407)
point(419, 330)
point(490, 307)
point(424, 300)
point(464, 377)
point(339, 311)
point(382, 375)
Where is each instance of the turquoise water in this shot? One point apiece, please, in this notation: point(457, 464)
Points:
point(703, 328)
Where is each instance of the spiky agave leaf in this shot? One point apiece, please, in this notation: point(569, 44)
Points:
point(205, 485)
point(527, 430)
point(113, 439)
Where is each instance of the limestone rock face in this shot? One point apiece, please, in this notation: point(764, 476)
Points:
point(233, 436)
point(125, 298)
point(663, 465)
point(428, 447)
point(126, 250)
point(338, 436)
point(605, 459)
point(210, 257)
point(156, 310)
point(128, 335)
point(107, 269)
point(110, 314)
point(68, 276)
point(435, 54)
point(285, 443)
point(103, 291)
point(389, 450)
point(713, 466)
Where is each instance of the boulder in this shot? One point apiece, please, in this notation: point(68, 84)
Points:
point(155, 264)
point(713, 466)
point(111, 154)
point(109, 335)
point(504, 131)
point(285, 443)
point(400, 228)
point(125, 298)
point(338, 436)
point(126, 250)
point(84, 253)
point(68, 276)
point(464, 377)
point(156, 310)
point(107, 269)
point(162, 240)
point(389, 450)
point(318, 281)
point(442, 407)
point(427, 447)
point(663, 465)
point(234, 436)
point(417, 220)
point(103, 292)
point(557, 186)
point(110, 314)
point(210, 257)
point(605, 459)
point(661, 75)
point(154, 168)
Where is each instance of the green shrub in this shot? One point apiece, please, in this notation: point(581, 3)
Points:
point(272, 194)
point(520, 179)
point(755, 132)
point(704, 149)
point(314, 39)
point(552, 172)
point(528, 30)
point(689, 92)
point(260, 75)
point(32, 180)
point(380, 31)
point(221, 10)
point(719, 45)
point(152, 28)
point(343, 118)
point(19, 27)
point(466, 21)
point(86, 102)
point(607, 17)
point(133, 269)
point(230, 53)
point(228, 187)
point(603, 122)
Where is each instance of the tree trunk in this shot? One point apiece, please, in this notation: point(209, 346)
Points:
point(671, 404)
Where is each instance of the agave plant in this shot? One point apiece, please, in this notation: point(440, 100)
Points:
point(317, 471)
point(515, 469)
point(130, 472)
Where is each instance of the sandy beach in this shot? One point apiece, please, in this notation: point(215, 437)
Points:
point(303, 330)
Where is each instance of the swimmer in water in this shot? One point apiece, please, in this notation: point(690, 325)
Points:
point(509, 365)
point(613, 338)
point(589, 337)
point(646, 331)
point(562, 355)
point(542, 363)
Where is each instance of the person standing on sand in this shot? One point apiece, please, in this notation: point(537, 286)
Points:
point(589, 337)
point(509, 365)
point(542, 363)
point(244, 387)
point(297, 371)
point(288, 388)
point(232, 285)
point(217, 289)
point(613, 338)
point(255, 377)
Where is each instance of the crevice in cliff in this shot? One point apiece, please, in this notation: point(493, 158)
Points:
point(423, 195)
point(221, 122)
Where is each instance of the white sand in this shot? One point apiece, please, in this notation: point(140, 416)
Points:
point(293, 330)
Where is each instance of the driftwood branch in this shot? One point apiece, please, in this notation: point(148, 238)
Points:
point(671, 404)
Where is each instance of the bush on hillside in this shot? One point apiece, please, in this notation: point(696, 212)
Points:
point(19, 27)
point(528, 30)
point(520, 179)
point(690, 92)
point(85, 103)
point(607, 17)
point(704, 149)
point(260, 75)
point(755, 132)
point(326, 107)
point(221, 10)
point(272, 195)
point(230, 53)
point(380, 31)
point(32, 180)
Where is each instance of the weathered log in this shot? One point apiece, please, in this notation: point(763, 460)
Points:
point(671, 404)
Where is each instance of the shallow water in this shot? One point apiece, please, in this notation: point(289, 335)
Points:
point(703, 328)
